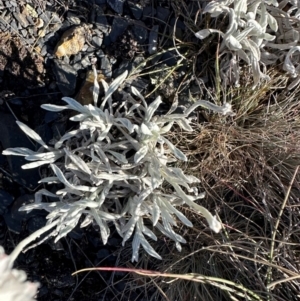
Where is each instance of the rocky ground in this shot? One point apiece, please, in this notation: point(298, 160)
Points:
point(46, 49)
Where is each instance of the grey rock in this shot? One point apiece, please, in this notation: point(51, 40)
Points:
point(140, 31)
point(136, 9)
point(65, 77)
point(23, 32)
point(100, 54)
point(97, 41)
point(85, 62)
point(44, 50)
point(116, 5)
point(73, 19)
point(153, 39)
point(30, 20)
point(162, 13)
point(21, 19)
point(48, 36)
point(14, 25)
point(106, 67)
point(140, 84)
point(118, 28)
point(47, 17)
point(30, 41)
point(55, 18)
point(101, 21)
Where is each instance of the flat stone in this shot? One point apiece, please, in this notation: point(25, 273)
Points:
point(14, 25)
point(101, 21)
point(149, 12)
point(85, 62)
point(162, 13)
point(118, 28)
point(21, 19)
point(136, 9)
point(140, 31)
point(116, 5)
point(97, 41)
point(23, 32)
point(65, 77)
point(169, 58)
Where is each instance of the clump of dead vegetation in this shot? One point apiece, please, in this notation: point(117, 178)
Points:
point(247, 165)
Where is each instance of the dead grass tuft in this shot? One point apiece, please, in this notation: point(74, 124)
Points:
point(246, 165)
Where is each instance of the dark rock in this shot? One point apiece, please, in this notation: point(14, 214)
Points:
point(65, 77)
point(118, 28)
point(76, 233)
point(116, 5)
point(149, 12)
point(136, 9)
point(169, 58)
point(15, 101)
point(58, 129)
point(140, 31)
point(45, 132)
point(101, 21)
point(97, 41)
point(12, 136)
point(125, 65)
point(106, 67)
point(153, 39)
point(51, 116)
point(35, 223)
point(103, 253)
point(13, 225)
point(24, 215)
point(99, 2)
point(162, 13)
point(140, 84)
point(5, 200)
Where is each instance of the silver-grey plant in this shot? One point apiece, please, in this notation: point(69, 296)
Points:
point(113, 169)
point(260, 33)
point(13, 284)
